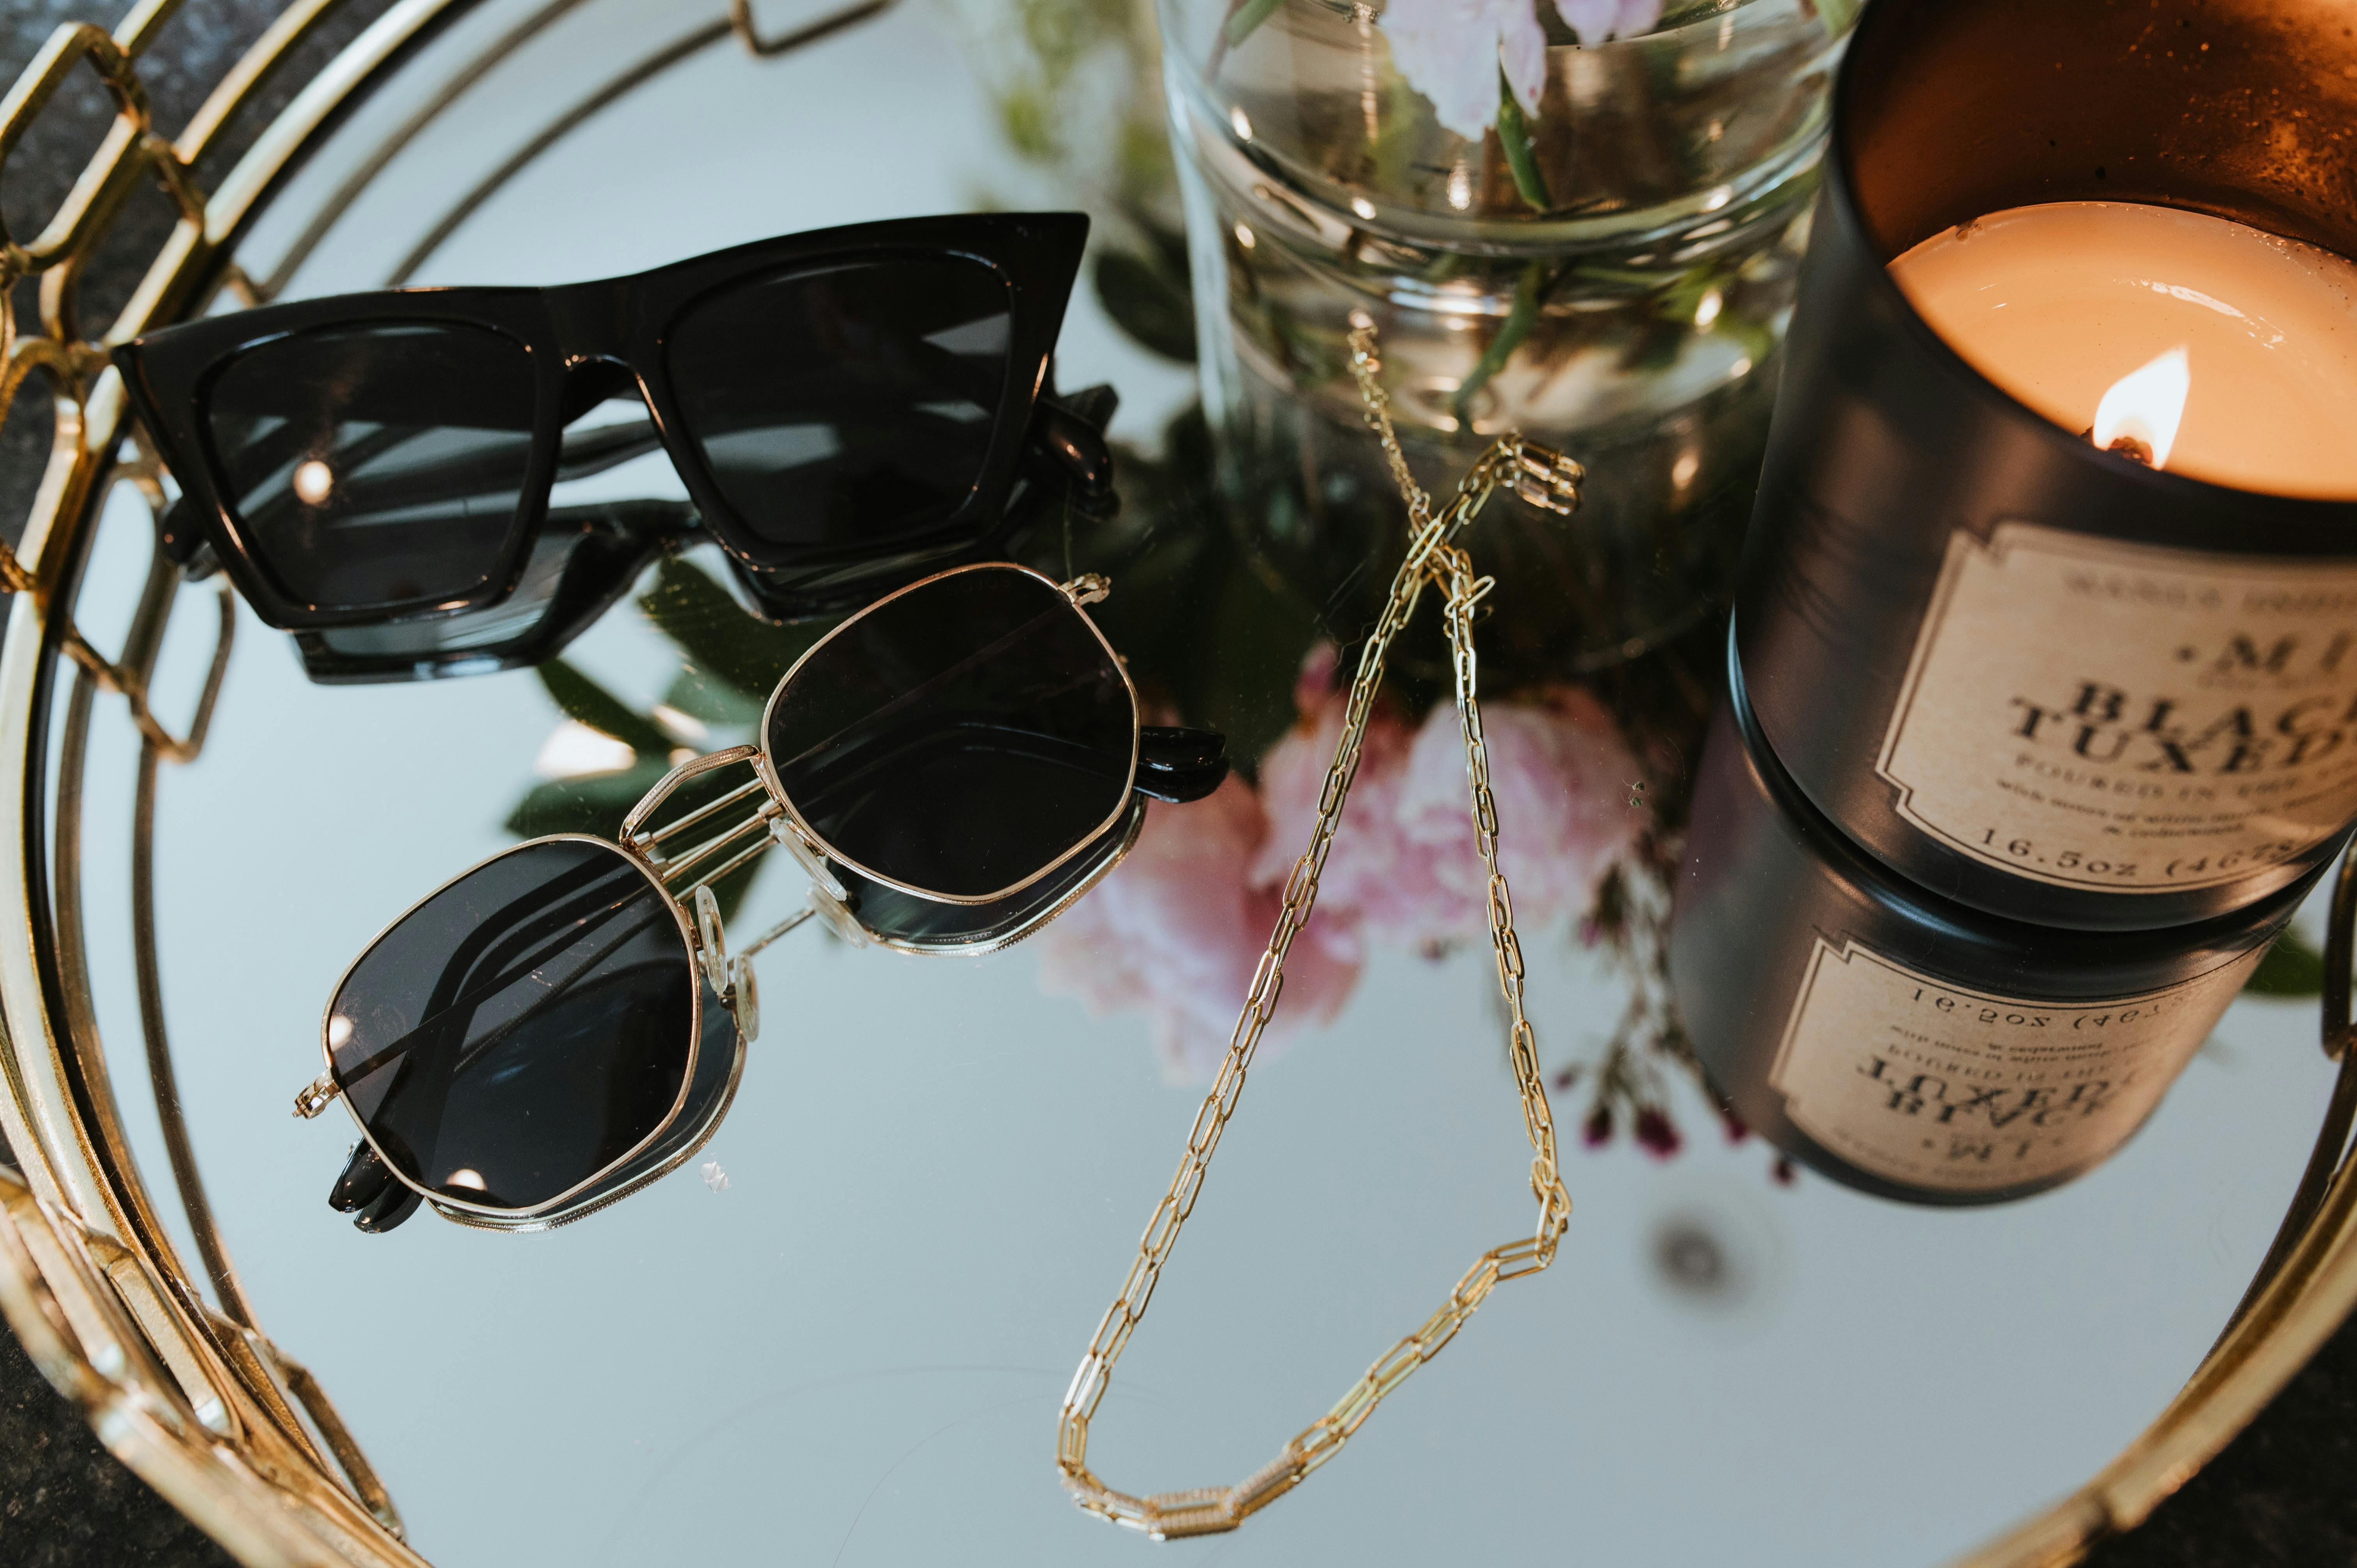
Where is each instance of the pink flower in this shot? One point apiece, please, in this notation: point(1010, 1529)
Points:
point(1655, 1133)
point(1404, 868)
point(1596, 1130)
point(1176, 930)
point(1596, 20)
point(1180, 925)
point(1368, 858)
point(1559, 777)
point(1453, 52)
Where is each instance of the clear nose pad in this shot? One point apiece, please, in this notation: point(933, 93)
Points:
point(744, 997)
point(828, 896)
point(731, 977)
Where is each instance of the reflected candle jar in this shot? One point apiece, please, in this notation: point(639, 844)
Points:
point(1904, 1043)
point(2050, 600)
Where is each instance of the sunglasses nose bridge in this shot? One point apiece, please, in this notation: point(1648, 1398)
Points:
point(591, 379)
point(590, 321)
point(592, 326)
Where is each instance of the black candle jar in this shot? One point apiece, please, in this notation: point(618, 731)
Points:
point(2036, 678)
point(1904, 1043)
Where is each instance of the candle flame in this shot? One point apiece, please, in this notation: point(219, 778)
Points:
point(2145, 407)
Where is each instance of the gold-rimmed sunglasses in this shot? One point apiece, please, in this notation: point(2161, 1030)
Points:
point(564, 1022)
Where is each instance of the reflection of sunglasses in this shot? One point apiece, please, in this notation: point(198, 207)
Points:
point(847, 409)
point(953, 767)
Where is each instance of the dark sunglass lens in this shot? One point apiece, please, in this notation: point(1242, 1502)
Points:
point(960, 738)
point(930, 925)
point(584, 559)
point(522, 1029)
point(376, 466)
point(846, 403)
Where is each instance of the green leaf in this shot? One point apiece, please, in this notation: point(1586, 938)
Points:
point(719, 633)
point(1521, 161)
point(696, 693)
point(1029, 123)
point(1521, 316)
point(1147, 302)
point(1838, 15)
point(583, 699)
point(593, 804)
point(1679, 15)
point(1245, 18)
point(2291, 968)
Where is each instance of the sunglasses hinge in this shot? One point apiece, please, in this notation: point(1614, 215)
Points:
point(317, 1096)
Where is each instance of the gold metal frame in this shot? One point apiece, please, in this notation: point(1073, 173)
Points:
point(643, 848)
point(192, 1396)
point(1081, 591)
point(707, 955)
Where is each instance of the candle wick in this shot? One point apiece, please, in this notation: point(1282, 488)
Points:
point(2128, 446)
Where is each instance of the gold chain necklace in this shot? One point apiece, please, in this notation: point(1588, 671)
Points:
point(1543, 477)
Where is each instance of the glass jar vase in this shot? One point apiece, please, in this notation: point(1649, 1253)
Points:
point(1589, 237)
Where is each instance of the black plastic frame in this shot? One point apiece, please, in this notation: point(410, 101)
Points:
point(615, 331)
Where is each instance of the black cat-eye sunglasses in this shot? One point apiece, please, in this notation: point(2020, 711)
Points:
point(846, 409)
point(953, 767)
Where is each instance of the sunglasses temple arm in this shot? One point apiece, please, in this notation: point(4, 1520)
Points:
point(780, 929)
point(1069, 434)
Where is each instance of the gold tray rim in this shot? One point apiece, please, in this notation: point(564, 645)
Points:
point(198, 1402)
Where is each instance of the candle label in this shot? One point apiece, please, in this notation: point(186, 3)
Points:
point(2093, 714)
point(1956, 1091)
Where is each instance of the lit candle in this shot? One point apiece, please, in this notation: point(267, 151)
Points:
point(2228, 354)
point(1942, 564)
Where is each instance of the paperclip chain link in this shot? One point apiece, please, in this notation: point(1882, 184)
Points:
point(1547, 479)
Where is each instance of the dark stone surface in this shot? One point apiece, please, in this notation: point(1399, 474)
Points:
point(2279, 1496)
point(64, 1501)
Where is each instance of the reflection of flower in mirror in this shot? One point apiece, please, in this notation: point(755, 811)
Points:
point(1405, 865)
point(1178, 929)
point(1178, 926)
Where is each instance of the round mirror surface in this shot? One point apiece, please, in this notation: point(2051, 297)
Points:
point(841, 1330)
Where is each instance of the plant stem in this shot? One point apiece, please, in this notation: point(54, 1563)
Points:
point(1514, 139)
point(1521, 316)
point(1243, 16)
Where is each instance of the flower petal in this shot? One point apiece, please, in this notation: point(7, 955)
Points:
point(1176, 930)
point(1593, 20)
point(1637, 16)
point(1452, 50)
point(1522, 54)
